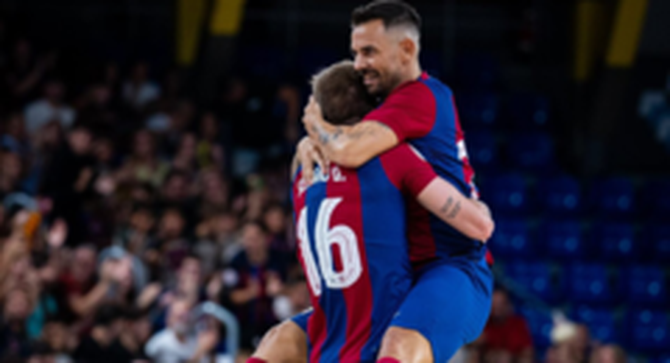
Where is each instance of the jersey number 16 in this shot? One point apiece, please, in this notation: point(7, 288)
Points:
point(326, 238)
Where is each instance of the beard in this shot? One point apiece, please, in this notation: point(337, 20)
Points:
point(382, 86)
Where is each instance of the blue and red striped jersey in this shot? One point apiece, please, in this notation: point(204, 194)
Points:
point(423, 113)
point(352, 236)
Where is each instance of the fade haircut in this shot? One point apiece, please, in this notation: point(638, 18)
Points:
point(341, 94)
point(393, 13)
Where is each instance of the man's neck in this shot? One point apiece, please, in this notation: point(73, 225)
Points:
point(412, 75)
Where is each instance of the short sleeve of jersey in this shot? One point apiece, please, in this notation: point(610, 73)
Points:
point(409, 111)
point(407, 169)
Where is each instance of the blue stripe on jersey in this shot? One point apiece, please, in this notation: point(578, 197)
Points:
point(439, 146)
point(331, 300)
point(384, 230)
point(440, 149)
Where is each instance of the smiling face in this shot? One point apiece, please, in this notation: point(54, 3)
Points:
point(384, 57)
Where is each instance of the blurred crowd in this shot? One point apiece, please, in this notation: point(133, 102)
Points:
point(125, 204)
point(507, 338)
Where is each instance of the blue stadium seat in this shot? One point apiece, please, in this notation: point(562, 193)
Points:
point(657, 200)
point(601, 322)
point(506, 194)
point(482, 150)
point(646, 285)
point(614, 198)
point(664, 358)
point(529, 111)
point(540, 324)
point(479, 71)
point(560, 196)
point(649, 330)
point(477, 110)
point(659, 242)
point(538, 279)
point(531, 151)
point(616, 242)
point(511, 239)
point(591, 283)
point(564, 240)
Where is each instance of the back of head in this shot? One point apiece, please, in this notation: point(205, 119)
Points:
point(393, 13)
point(341, 94)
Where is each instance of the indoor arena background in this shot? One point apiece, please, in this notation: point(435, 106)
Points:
point(145, 146)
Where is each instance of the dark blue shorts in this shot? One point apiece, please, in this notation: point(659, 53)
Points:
point(449, 304)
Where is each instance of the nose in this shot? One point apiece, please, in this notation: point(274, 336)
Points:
point(359, 62)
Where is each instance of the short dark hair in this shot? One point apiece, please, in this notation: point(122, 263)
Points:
point(341, 94)
point(391, 12)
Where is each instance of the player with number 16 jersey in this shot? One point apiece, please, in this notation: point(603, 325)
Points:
point(351, 227)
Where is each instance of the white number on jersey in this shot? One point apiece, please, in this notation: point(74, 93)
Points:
point(341, 236)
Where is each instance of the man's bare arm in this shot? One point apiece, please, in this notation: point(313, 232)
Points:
point(348, 146)
point(468, 216)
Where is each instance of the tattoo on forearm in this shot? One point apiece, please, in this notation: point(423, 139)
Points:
point(447, 204)
point(325, 137)
point(455, 210)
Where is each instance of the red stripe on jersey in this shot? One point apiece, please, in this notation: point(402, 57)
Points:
point(422, 248)
point(317, 330)
point(468, 171)
point(358, 297)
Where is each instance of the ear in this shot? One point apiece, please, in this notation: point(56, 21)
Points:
point(408, 49)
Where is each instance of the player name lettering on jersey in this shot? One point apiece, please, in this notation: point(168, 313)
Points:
point(335, 172)
point(320, 177)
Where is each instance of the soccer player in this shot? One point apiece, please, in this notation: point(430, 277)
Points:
point(450, 301)
point(351, 227)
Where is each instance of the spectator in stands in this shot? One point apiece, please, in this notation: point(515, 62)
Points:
point(177, 342)
point(274, 217)
point(218, 241)
point(143, 165)
point(139, 91)
point(293, 300)
point(14, 137)
point(169, 247)
point(14, 340)
point(60, 339)
point(102, 344)
point(95, 109)
point(210, 151)
point(188, 283)
point(570, 343)
point(84, 293)
point(67, 177)
point(49, 108)
point(136, 236)
point(11, 173)
point(506, 337)
point(25, 72)
point(255, 278)
point(213, 193)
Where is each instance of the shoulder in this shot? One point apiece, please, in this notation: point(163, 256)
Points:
point(410, 91)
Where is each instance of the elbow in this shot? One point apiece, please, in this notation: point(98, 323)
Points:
point(486, 228)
